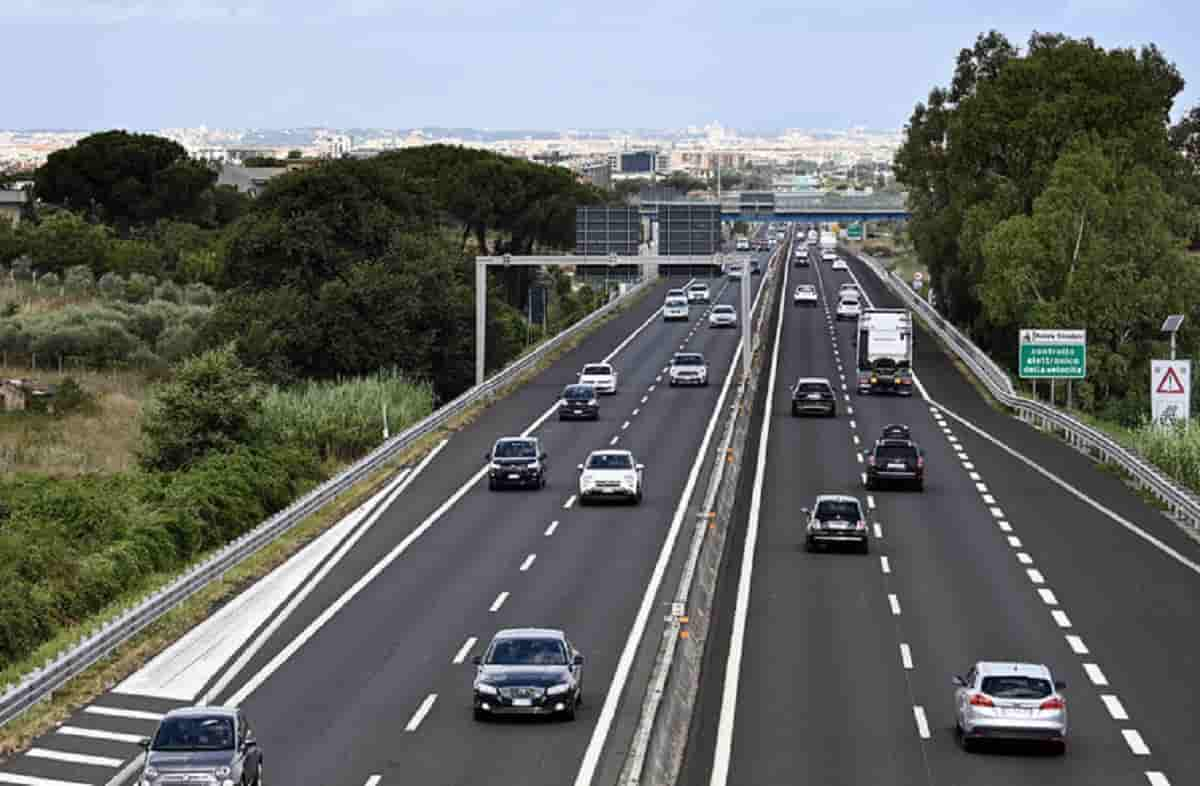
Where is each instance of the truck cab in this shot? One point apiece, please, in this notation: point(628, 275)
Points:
point(884, 352)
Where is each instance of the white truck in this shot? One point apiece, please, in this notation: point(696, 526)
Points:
point(884, 351)
point(828, 241)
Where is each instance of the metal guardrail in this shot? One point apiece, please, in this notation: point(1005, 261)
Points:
point(55, 673)
point(1088, 440)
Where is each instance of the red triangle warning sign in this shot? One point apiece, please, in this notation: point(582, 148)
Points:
point(1170, 382)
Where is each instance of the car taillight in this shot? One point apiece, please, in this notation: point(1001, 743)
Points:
point(1054, 704)
point(860, 524)
point(871, 460)
point(979, 700)
point(920, 462)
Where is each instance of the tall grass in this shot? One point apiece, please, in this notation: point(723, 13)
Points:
point(344, 419)
point(1174, 449)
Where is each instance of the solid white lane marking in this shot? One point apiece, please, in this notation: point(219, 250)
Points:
point(624, 425)
point(614, 440)
point(1114, 707)
point(116, 712)
point(1135, 742)
point(74, 758)
point(645, 399)
point(570, 501)
point(894, 602)
point(871, 502)
point(1048, 597)
point(373, 780)
point(906, 659)
point(988, 499)
point(1095, 674)
point(1024, 558)
point(1004, 526)
point(1077, 645)
point(1035, 576)
point(922, 721)
point(550, 530)
point(1157, 778)
point(464, 650)
point(528, 562)
point(1061, 618)
point(498, 602)
point(100, 734)
point(421, 712)
point(878, 531)
point(635, 412)
point(974, 476)
point(884, 565)
point(30, 780)
point(997, 513)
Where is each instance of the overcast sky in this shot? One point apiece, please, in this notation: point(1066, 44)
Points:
point(518, 64)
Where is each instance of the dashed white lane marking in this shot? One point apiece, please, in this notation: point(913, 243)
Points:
point(1060, 618)
point(860, 460)
point(74, 758)
point(1024, 558)
point(884, 565)
point(997, 513)
point(945, 428)
point(30, 780)
point(498, 602)
point(953, 439)
point(658, 378)
point(906, 657)
point(1157, 779)
point(116, 712)
point(1004, 526)
point(100, 734)
point(846, 396)
point(863, 475)
point(570, 501)
point(844, 386)
point(465, 650)
point(849, 410)
point(550, 530)
point(853, 424)
point(1077, 646)
point(968, 465)
point(528, 562)
point(922, 721)
point(1114, 707)
point(624, 425)
point(878, 531)
point(665, 369)
point(982, 489)
point(373, 780)
point(871, 502)
point(645, 399)
point(635, 412)
point(894, 602)
point(988, 499)
point(975, 476)
point(1048, 597)
point(1095, 674)
point(1135, 742)
point(651, 388)
point(421, 712)
point(614, 440)
point(1035, 576)
point(855, 438)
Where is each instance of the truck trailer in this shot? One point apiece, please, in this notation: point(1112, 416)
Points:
point(884, 351)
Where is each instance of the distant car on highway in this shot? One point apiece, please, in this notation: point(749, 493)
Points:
point(699, 293)
point(839, 264)
point(1010, 701)
point(734, 270)
point(850, 289)
point(805, 295)
point(836, 519)
point(202, 745)
point(516, 461)
point(896, 431)
point(687, 368)
point(814, 394)
point(676, 307)
point(722, 316)
point(528, 671)
point(896, 461)
point(828, 256)
point(578, 402)
point(755, 267)
point(848, 307)
point(610, 474)
point(601, 376)
point(676, 292)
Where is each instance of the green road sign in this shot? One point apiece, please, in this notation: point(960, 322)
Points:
point(854, 232)
point(1053, 354)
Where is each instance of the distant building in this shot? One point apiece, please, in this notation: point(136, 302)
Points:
point(13, 205)
point(248, 180)
point(335, 145)
point(26, 394)
point(213, 155)
point(596, 172)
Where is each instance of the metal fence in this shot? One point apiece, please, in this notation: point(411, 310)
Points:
point(55, 673)
point(1090, 441)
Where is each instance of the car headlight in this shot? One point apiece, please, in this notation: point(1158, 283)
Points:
point(587, 479)
point(150, 773)
point(559, 689)
point(487, 690)
point(497, 465)
point(629, 479)
point(221, 772)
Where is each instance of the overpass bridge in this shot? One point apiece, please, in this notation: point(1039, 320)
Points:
point(801, 207)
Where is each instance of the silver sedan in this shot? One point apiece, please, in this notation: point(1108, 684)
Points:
point(1010, 701)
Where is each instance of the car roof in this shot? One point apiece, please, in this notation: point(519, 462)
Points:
point(892, 442)
point(723, 307)
point(526, 633)
point(699, 284)
point(838, 498)
point(201, 711)
point(611, 453)
point(598, 363)
point(688, 355)
point(802, 380)
point(516, 439)
point(987, 668)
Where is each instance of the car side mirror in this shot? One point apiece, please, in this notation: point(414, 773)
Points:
point(248, 742)
point(959, 681)
point(579, 467)
point(578, 660)
point(640, 467)
point(1060, 685)
point(806, 511)
point(477, 660)
point(487, 456)
point(144, 743)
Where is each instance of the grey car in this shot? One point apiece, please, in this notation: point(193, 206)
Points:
point(1010, 701)
point(528, 671)
point(836, 519)
point(203, 745)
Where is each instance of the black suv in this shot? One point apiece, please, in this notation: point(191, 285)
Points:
point(516, 461)
point(578, 402)
point(896, 460)
point(814, 394)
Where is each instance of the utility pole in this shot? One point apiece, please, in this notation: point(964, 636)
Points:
point(746, 348)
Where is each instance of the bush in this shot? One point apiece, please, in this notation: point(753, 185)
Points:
point(80, 279)
point(177, 342)
point(169, 291)
point(50, 281)
point(71, 397)
point(140, 287)
point(197, 294)
point(111, 285)
point(1175, 449)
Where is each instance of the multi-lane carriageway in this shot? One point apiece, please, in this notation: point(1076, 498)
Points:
point(835, 668)
point(367, 679)
point(822, 668)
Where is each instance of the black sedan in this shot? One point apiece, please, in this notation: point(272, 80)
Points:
point(578, 402)
point(528, 671)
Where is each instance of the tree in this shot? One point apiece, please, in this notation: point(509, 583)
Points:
point(295, 155)
point(209, 407)
point(128, 179)
point(63, 239)
point(1185, 140)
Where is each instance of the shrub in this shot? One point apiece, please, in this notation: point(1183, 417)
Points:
point(197, 294)
point(111, 285)
point(176, 342)
point(71, 397)
point(22, 269)
point(50, 281)
point(140, 287)
point(169, 291)
point(1175, 449)
point(80, 279)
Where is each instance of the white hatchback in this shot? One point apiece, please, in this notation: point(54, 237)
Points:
point(601, 376)
point(610, 474)
point(848, 308)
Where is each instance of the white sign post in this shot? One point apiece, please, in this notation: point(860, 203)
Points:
point(1170, 390)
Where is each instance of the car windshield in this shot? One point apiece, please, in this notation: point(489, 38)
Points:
point(806, 288)
point(894, 452)
point(579, 392)
point(528, 652)
point(597, 370)
point(838, 509)
point(896, 431)
point(1016, 686)
point(812, 387)
point(610, 461)
point(723, 310)
point(850, 302)
point(699, 287)
point(676, 301)
point(203, 732)
point(515, 450)
point(687, 360)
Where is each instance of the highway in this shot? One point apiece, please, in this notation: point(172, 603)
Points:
point(368, 678)
point(836, 668)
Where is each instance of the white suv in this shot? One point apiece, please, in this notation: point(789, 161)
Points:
point(610, 474)
point(687, 368)
point(675, 308)
point(698, 293)
point(601, 376)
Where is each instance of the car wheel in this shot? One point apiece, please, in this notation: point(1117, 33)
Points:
point(920, 485)
point(869, 484)
point(583, 500)
point(833, 412)
point(809, 544)
point(637, 498)
point(795, 411)
point(480, 715)
point(542, 484)
point(864, 547)
point(491, 484)
point(258, 777)
point(1058, 747)
point(569, 712)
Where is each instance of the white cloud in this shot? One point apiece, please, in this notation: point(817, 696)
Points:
point(119, 11)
